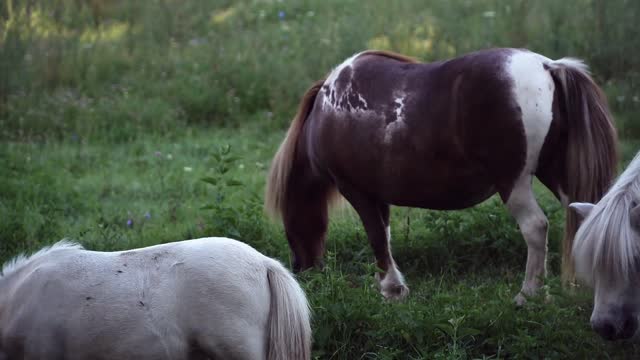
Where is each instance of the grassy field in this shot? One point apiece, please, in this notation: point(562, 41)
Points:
point(127, 124)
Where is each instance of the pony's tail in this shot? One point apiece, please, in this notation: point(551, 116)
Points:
point(592, 155)
point(289, 317)
point(277, 181)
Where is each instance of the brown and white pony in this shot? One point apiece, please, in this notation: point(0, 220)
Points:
point(385, 129)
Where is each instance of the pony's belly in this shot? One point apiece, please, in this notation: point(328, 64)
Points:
point(438, 190)
point(444, 184)
point(445, 201)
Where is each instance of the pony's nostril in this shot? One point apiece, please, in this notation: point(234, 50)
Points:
point(629, 328)
point(605, 329)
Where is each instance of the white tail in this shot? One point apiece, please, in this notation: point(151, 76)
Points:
point(289, 317)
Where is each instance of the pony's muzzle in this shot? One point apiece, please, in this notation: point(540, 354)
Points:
point(609, 331)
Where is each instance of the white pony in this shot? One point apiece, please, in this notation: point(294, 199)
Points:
point(210, 298)
point(606, 252)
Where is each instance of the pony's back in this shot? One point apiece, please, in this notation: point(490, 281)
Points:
point(218, 295)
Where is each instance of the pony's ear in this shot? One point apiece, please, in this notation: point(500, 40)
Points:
point(634, 217)
point(582, 209)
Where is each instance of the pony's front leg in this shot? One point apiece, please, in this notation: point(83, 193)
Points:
point(533, 225)
point(375, 218)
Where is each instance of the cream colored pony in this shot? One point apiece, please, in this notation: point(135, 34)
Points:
point(607, 255)
point(213, 298)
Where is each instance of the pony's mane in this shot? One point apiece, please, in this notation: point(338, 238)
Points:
point(606, 245)
point(390, 55)
point(22, 259)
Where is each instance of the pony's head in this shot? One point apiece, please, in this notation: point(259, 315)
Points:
point(606, 252)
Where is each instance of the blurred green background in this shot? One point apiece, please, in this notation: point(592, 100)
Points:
point(111, 70)
point(131, 123)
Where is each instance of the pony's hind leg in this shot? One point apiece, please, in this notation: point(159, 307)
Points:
point(375, 218)
point(533, 224)
point(240, 342)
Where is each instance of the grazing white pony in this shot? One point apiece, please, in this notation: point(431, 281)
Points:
point(210, 298)
point(606, 252)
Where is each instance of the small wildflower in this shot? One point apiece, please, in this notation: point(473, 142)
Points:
point(489, 14)
point(636, 99)
point(147, 215)
point(241, 166)
point(188, 169)
point(197, 41)
point(169, 156)
point(281, 15)
point(129, 222)
point(158, 154)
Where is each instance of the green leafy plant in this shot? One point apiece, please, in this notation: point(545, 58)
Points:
point(224, 217)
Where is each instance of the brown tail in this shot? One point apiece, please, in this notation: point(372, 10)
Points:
point(277, 181)
point(592, 155)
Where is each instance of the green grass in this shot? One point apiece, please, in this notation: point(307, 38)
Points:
point(112, 113)
point(463, 267)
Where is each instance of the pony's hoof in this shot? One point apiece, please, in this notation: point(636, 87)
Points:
point(395, 292)
point(520, 299)
point(392, 285)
